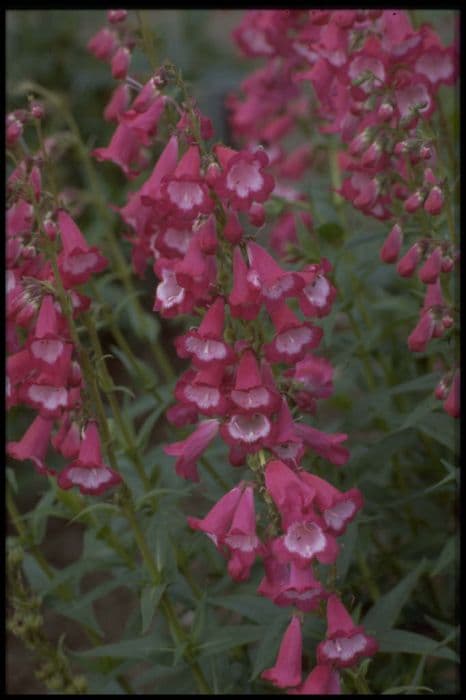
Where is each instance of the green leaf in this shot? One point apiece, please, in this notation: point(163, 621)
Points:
point(386, 609)
point(448, 554)
point(268, 647)
point(11, 478)
point(332, 233)
point(348, 543)
point(140, 649)
point(260, 610)
point(92, 508)
point(150, 598)
point(231, 636)
point(440, 427)
point(400, 641)
point(200, 617)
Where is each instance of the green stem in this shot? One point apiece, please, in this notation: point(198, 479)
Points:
point(131, 446)
point(178, 634)
point(148, 39)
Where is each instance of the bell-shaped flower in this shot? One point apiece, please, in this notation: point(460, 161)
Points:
point(304, 540)
point(317, 296)
point(251, 431)
point(286, 584)
point(345, 643)
point(88, 472)
point(410, 260)
point(77, 261)
point(285, 444)
point(242, 180)
point(327, 445)
point(123, 150)
point(205, 345)
point(46, 346)
point(337, 508)
point(218, 520)
point(204, 390)
point(293, 337)
point(67, 440)
point(245, 297)
point(241, 539)
point(33, 445)
point(171, 299)
point(46, 392)
point(189, 451)
point(250, 394)
point(184, 195)
point(322, 680)
point(286, 672)
point(292, 496)
point(274, 284)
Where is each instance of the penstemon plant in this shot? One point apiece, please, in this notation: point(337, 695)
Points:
point(231, 438)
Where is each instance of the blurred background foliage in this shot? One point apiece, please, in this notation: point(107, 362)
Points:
point(399, 568)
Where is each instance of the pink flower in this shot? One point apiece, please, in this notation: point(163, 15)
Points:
point(46, 347)
point(422, 333)
point(294, 337)
point(89, 472)
point(77, 261)
point(184, 195)
point(313, 377)
point(205, 345)
point(171, 299)
point(250, 431)
point(452, 402)
point(274, 284)
point(203, 390)
point(288, 584)
point(189, 450)
point(218, 520)
point(287, 670)
point(118, 103)
point(124, 150)
point(103, 44)
point(68, 439)
point(120, 63)
point(244, 297)
point(249, 394)
point(322, 680)
point(47, 393)
point(413, 202)
point(434, 202)
point(33, 445)
point(243, 180)
point(327, 445)
point(345, 644)
point(338, 509)
point(409, 261)
point(432, 267)
point(241, 539)
point(292, 496)
point(391, 248)
point(317, 296)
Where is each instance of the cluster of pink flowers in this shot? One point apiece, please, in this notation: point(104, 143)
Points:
point(196, 218)
point(375, 80)
point(43, 370)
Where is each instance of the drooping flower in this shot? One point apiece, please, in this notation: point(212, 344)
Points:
point(88, 471)
point(189, 450)
point(286, 672)
point(345, 643)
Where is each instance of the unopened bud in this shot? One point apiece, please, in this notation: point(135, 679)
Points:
point(434, 202)
point(115, 16)
point(385, 111)
point(413, 202)
point(37, 110)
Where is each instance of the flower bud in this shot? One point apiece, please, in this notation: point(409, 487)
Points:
point(409, 261)
point(115, 16)
point(413, 202)
point(434, 202)
point(431, 269)
point(385, 111)
point(120, 63)
point(447, 263)
point(391, 248)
